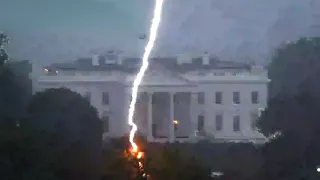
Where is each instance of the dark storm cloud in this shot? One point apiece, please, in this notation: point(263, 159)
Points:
point(58, 30)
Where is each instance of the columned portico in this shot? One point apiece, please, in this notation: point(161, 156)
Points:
point(160, 122)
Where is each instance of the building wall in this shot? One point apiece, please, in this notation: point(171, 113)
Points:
point(186, 109)
point(229, 109)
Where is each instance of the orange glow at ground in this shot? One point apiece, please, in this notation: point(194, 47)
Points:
point(136, 153)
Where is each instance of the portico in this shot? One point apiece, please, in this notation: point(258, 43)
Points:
point(164, 97)
point(156, 112)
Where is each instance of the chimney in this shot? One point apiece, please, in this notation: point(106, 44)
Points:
point(120, 58)
point(95, 60)
point(206, 58)
point(111, 57)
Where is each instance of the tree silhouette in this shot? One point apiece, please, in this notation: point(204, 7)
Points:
point(3, 53)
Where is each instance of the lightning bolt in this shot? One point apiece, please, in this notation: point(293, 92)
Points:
point(145, 63)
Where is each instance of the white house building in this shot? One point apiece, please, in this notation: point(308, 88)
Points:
point(180, 98)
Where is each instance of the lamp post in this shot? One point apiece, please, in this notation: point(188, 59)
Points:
point(175, 125)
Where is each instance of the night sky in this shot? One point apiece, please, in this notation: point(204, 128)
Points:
point(60, 30)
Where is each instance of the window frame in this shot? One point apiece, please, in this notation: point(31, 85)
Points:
point(256, 99)
point(236, 125)
point(221, 122)
point(236, 99)
point(221, 97)
point(104, 100)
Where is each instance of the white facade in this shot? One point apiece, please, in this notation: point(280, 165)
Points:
point(217, 103)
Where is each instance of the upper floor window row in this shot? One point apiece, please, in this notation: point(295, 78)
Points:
point(104, 100)
point(236, 99)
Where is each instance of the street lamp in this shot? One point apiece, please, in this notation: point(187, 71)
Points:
point(175, 124)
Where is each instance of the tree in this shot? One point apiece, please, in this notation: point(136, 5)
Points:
point(291, 156)
point(76, 127)
point(294, 100)
point(292, 65)
point(13, 93)
point(293, 109)
point(119, 163)
point(286, 113)
point(169, 162)
point(3, 53)
point(25, 154)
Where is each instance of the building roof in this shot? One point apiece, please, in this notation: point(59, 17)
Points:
point(131, 65)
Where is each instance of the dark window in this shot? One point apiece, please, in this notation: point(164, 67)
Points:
point(154, 99)
point(254, 97)
point(105, 98)
point(218, 97)
point(254, 119)
point(154, 130)
point(236, 97)
point(200, 123)
point(105, 122)
point(236, 123)
point(219, 122)
point(87, 96)
point(200, 97)
point(175, 99)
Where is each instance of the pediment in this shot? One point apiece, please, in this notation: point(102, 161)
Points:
point(156, 77)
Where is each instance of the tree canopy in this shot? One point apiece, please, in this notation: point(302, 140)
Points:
point(3, 53)
point(293, 65)
point(75, 125)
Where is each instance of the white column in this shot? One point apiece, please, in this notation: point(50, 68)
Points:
point(171, 118)
point(150, 122)
point(193, 113)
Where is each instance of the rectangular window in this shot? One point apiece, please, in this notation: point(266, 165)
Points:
point(105, 98)
point(175, 99)
point(105, 122)
point(219, 122)
point(200, 123)
point(254, 97)
point(154, 130)
point(254, 119)
point(236, 123)
point(236, 97)
point(154, 99)
point(200, 97)
point(87, 96)
point(218, 97)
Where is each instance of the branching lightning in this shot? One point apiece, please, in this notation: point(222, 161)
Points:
point(145, 63)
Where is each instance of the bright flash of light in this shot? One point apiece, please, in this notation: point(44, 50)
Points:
point(136, 83)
